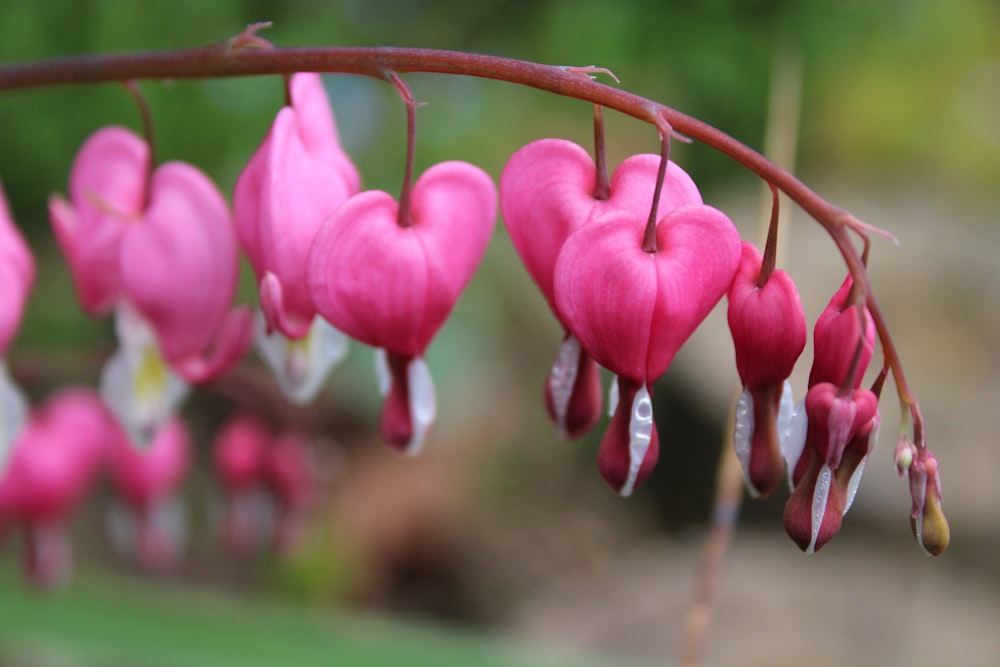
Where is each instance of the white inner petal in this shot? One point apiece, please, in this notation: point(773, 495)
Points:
point(300, 366)
point(793, 441)
point(786, 410)
point(137, 385)
point(742, 436)
point(383, 376)
point(820, 495)
point(562, 378)
point(854, 482)
point(13, 412)
point(613, 396)
point(640, 431)
point(423, 403)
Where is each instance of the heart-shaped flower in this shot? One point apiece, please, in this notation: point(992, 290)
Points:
point(164, 243)
point(547, 193)
point(632, 309)
point(392, 286)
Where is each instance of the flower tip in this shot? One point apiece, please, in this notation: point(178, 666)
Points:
point(931, 528)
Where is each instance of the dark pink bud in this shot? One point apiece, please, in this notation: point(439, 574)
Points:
point(767, 323)
point(835, 340)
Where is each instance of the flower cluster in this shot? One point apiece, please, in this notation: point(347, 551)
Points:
point(630, 266)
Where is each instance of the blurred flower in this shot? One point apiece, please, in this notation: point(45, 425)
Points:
point(148, 523)
point(53, 463)
point(17, 273)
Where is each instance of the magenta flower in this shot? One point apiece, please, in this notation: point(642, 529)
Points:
point(769, 333)
point(161, 242)
point(547, 193)
point(149, 525)
point(293, 182)
point(293, 482)
point(392, 286)
point(53, 463)
point(632, 310)
point(841, 432)
point(17, 273)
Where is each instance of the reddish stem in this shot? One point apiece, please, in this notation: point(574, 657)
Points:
point(771, 245)
point(220, 60)
point(602, 187)
point(649, 236)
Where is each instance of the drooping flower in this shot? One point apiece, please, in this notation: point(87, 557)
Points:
point(392, 286)
point(632, 310)
point(841, 432)
point(768, 327)
point(17, 273)
point(293, 482)
point(162, 241)
point(149, 523)
point(547, 193)
point(293, 182)
point(52, 465)
point(156, 247)
point(840, 329)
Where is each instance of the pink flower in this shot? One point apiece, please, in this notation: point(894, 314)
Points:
point(17, 273)
point(150, 524)
point(769, 333)
point(293, 182)
point(392, 286)
point(161, 242)
point(547, 193)
point(841, 432)
point(53, 464)
point(632, 310)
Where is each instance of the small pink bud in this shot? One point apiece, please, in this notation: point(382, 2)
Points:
point(927, 520)
point(835, 340)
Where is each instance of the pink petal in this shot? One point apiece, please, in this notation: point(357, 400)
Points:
point(632, 310)
point(391, 286)
point(179, 267)
point(145, 476)
point(546, 193)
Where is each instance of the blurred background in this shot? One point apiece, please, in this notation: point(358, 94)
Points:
point(500, 544)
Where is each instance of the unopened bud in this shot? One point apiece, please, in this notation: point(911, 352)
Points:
point(931, 528)
point(903, 456)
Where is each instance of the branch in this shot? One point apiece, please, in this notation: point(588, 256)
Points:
point(230, 58)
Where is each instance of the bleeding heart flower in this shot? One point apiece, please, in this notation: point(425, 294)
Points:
point(393, 286)
point(150, 525)
point(547, 193)
point(53, 463)
point(841, 433)
point(769, 333)
point(632, 310)
point(293, 182)
point(17, 273)
point(163, 243)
